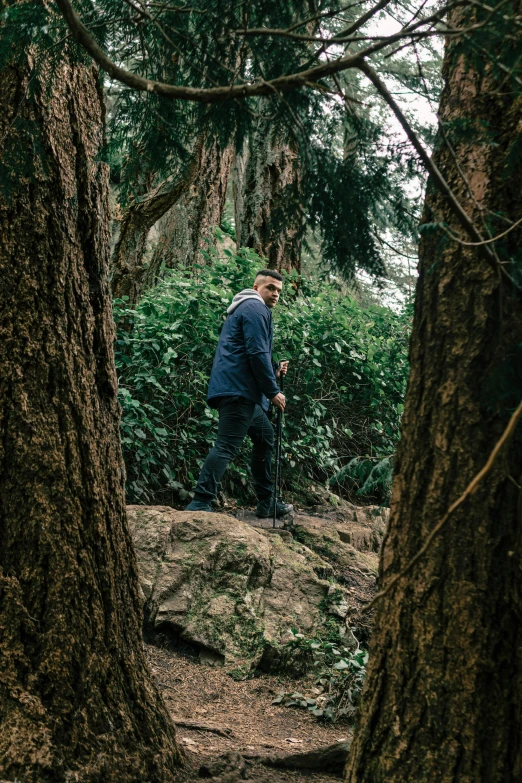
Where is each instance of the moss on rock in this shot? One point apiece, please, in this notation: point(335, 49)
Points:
point(234, 589)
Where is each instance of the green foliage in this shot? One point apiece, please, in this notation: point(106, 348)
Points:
point(340, 670)
point(345, 385)
point(368, 477)
point(356, 195)
point(345, 389)
point(227, 227)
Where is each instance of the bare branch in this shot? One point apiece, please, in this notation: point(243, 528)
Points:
point(395, 249)
point(484, 241)
point(381, 5)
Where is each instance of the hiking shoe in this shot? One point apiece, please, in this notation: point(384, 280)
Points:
point(198, 505)
point(265, 508)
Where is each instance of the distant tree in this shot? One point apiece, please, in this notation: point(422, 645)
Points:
point(188, 226)
point(128, 265)
point(270, 216)
point(77, 701)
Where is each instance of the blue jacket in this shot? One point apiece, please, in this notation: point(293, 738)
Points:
point(243, 361)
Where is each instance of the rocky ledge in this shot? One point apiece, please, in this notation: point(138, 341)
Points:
point(238, 591)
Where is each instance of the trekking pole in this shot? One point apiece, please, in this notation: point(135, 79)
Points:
point(279, 433)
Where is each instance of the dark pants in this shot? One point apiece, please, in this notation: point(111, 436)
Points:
point(237, 418)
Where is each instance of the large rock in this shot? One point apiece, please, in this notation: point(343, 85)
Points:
point(349, 538)
point(350, 546)
point(233, 589)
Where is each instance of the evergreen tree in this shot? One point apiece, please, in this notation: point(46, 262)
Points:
point(285, 181)
point(128, 266)
point(270, 215)
point(189, 225)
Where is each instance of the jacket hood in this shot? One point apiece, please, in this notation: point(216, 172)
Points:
point(246, 293)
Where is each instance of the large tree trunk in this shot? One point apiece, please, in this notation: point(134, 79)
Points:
point(444, 686)
point(187, 228)
point(269, 209)
point(77, 701)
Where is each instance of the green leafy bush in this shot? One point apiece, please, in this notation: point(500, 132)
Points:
point(345, 386)
point(340, 674)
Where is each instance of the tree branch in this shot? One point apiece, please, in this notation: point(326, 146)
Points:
point(305, 78)
point(346, 36)
point(484, 241)
point(324, 15)
point(430, 165)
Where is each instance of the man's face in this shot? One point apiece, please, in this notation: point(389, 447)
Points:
point(269, 289)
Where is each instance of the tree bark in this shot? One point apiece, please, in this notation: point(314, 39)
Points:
point(77, 701)
point(128, 268)
point(187, 227)
point(442, 698)
point(269, 209)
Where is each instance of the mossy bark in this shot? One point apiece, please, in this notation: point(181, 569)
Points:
point(77, 701)
point(189, 226)
point(443, 692)
point(269, 208)
point(130, 272)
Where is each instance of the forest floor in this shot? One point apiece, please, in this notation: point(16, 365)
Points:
point(243, 714)
point(229, 730)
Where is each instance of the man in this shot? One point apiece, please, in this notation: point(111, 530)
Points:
point(242, 385)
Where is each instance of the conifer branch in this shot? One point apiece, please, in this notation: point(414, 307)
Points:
point(325, 15)
point(346, 36)
point(470, 489)
point(305, 78)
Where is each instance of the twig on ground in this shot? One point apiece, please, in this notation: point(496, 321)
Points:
point(221, 731)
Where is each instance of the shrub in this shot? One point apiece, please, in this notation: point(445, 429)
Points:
point(345, 386)
point(340, 675)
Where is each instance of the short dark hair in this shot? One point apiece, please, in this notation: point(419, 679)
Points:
point(270, 273)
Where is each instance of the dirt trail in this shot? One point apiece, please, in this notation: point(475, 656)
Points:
point(224, 724)
point(243, 713)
